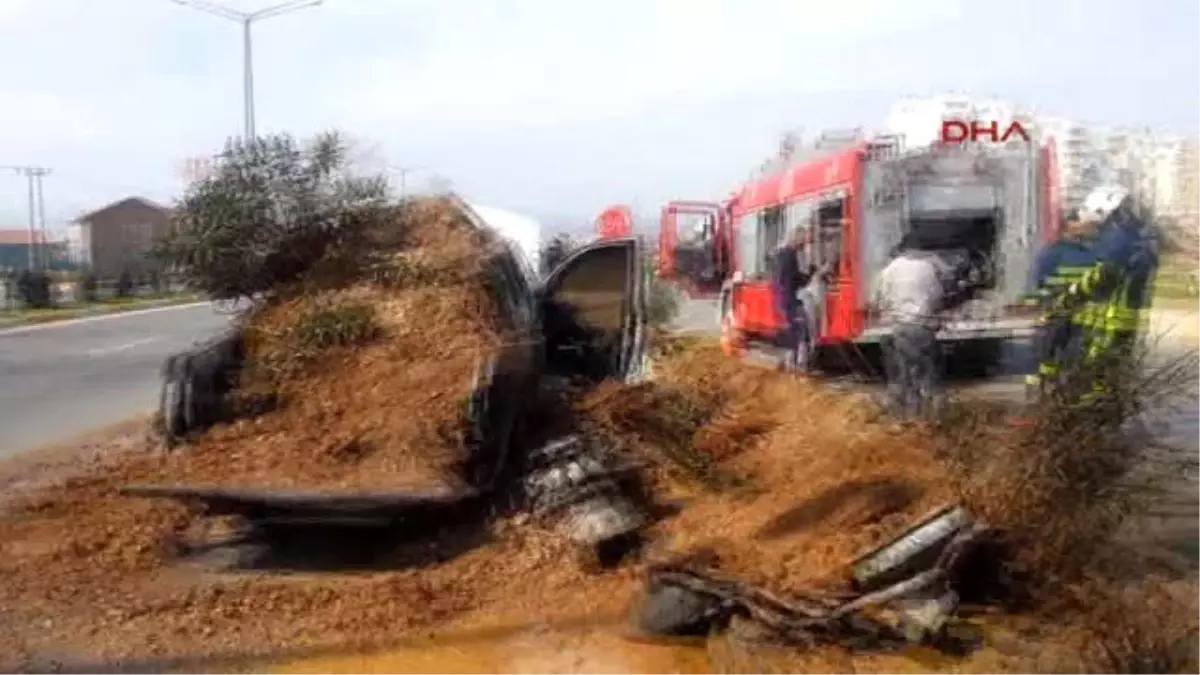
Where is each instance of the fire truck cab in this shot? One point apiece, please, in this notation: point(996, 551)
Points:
point(695, 246)
point(984, 211)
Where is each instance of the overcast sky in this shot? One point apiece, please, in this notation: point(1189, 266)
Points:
point(556, 107)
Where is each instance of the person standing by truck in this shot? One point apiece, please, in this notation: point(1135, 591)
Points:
point(910, 296)
point(791, 274)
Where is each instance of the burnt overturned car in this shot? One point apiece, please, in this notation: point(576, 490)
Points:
point(583, 322)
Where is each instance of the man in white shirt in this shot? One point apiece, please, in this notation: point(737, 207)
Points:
point(909, 298)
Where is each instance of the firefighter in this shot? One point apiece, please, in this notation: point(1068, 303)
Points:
point(910, 296)
point(1061, 336)
point(1111, 295)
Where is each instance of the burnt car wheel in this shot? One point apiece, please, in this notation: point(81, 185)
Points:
point(171, 402)
point(196, 383)
point(670, 610)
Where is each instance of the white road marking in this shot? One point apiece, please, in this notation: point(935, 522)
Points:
point(126, 346)
point(100, 317)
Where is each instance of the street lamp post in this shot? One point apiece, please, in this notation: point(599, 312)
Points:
point(403, 172)
point(247, 19)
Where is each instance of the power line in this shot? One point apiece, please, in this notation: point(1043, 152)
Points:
point(36, 256)
point(247, 19)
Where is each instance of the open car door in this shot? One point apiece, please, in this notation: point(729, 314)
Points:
point(593, 308)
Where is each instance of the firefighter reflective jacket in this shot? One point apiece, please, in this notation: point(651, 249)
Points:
point(1058, 267)
point(1114, 292)
point(1119, 282)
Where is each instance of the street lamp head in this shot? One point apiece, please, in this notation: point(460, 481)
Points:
point(285, 8)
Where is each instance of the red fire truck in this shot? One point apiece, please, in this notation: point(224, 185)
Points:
point(984, 211)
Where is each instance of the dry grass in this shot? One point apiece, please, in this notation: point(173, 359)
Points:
point(1061, 487)
point(1149, 626)
point(828, 484)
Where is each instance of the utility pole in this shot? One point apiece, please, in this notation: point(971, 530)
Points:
point(37, 212)
point(247, 19)
point(403, 172)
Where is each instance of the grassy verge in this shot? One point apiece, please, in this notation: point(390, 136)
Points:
point(1175, 287)
point(110, 306)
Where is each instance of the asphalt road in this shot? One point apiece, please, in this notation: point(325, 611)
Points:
point(60, 380)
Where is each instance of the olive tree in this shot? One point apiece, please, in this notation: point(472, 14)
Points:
point(270, 211)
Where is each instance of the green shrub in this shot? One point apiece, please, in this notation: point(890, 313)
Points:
point(335, 325)
point(272, 213)
point(662, 301)
point(86, 287)
point(34, 289)
point(125, 284)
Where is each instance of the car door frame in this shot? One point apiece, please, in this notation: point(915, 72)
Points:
point(631, 351)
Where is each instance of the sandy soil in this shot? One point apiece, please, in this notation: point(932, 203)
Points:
point(90, 584)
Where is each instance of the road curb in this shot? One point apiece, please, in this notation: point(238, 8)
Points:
point(17, 330)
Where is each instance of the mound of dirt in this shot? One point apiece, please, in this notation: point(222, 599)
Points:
point(799, 485)
point(370, 371)
point(372, 374)
point(786, 481)
point(780, 482)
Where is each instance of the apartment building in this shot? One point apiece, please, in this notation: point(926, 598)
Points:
point(1185, 204)
point(1079, 160)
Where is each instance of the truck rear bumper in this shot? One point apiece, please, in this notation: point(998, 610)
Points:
point(995, 329)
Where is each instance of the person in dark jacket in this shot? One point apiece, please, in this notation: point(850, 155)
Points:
point(1062, 336)
point(791, 275)
point(1116, 290)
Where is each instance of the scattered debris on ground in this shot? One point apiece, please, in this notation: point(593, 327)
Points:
point(774, 508)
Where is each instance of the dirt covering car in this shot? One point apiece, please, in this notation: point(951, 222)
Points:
point(583, 322)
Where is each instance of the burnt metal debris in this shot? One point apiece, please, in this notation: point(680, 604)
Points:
point(901, 593)
point(581, 486)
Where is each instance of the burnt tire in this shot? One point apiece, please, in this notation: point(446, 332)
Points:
point(193, 417)
point(670, 610)
point(196, 383)
point(171, 406)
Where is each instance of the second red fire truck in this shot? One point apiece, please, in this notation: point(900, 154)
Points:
point(985, 211)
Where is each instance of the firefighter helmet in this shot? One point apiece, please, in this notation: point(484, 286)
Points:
point(1102, 202)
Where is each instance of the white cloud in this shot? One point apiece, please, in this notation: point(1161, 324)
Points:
point(41, 116)
point(559, 105)
point(573, 62)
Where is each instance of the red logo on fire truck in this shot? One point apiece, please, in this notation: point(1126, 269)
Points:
point(957, 132)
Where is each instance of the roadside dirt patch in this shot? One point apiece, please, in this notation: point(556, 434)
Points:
point(90, 581)
point(41, 467)
point(785, 447)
